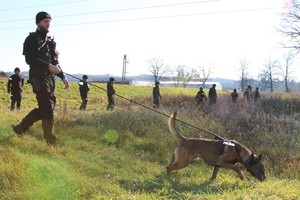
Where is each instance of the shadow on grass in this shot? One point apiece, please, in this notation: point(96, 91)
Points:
point(173, 188)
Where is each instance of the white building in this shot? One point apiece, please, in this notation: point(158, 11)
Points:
point(191, 84)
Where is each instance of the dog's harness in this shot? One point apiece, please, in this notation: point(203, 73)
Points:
point(237, 148)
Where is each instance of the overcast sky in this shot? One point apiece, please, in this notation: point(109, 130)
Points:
point(92, 36)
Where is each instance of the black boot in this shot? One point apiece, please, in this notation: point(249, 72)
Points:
point(28, 121)
point(18, 129)
point(49, 134)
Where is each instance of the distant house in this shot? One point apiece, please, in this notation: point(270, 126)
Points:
point(192, 84)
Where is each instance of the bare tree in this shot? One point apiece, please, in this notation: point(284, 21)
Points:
point(269, 73)
point(157, 68)
point(202, 74)
point(290, 27)
point(243, 72)
point(182, 75)
point(286, 70)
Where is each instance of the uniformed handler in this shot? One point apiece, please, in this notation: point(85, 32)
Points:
point(83, 89)
point(41, 56)
point(14, 87)
point(156, 95)
point(110, 94)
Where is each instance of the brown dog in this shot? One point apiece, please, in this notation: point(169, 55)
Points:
point(214, 152)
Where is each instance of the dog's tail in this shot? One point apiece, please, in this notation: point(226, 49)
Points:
point(172, 127)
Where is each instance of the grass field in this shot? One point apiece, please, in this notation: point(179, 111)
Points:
point(122, 154)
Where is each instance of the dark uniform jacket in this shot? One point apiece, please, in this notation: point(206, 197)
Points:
point(212, 93)
point(200, 95)
point(39, 51)
point(234, 96)
point(110, 89)
point(15, 83)
point(156, 93)
point(83, 88)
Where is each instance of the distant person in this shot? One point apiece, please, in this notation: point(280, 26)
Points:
point(111, 94)
point(256, 95)
point(14, 87)
point(212, 94)
point(42, 57)
point(83, 89)
point(200, 96)
point(234, 96)
point(156, 95)
point(248, 94)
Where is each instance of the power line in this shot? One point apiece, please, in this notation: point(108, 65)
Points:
point(43, 5)
point(140, 8)
point(158, 17)
point(117, 10)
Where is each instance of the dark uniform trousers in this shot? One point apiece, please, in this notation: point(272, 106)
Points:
point(111, 102)
point(84, 101)
point(16, 97)
point(45, 112)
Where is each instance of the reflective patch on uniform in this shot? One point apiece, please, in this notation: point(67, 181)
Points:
point(9, 78)
point(80, 83)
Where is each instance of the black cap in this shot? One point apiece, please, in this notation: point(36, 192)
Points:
point(17, 69)
point(41, 16)
point(111, 79)
point(157, 82)
point(84, 77)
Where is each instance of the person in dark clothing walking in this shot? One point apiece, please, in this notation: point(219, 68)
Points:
point(14, 87)
point(83, 89)
point(234, 96)
point(212, 94)
point(248, 95)
point(200, 96)
point(111, 94)
point(41, 56)
point(256, 95)
point(156, 95)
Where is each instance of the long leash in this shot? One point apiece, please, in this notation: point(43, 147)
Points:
point(161, 113)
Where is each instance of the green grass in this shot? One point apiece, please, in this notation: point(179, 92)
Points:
point(122, 154)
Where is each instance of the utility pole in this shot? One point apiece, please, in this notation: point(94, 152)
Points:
point(124, 68)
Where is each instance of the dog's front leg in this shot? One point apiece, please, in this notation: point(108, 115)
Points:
point(215, 173)
point(228, 165)
point(237, 168)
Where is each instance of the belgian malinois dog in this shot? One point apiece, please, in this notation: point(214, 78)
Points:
point(219, 153)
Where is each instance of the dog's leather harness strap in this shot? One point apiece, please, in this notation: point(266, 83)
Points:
point(246, 163)
point(222, 150)
point(237, 148)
